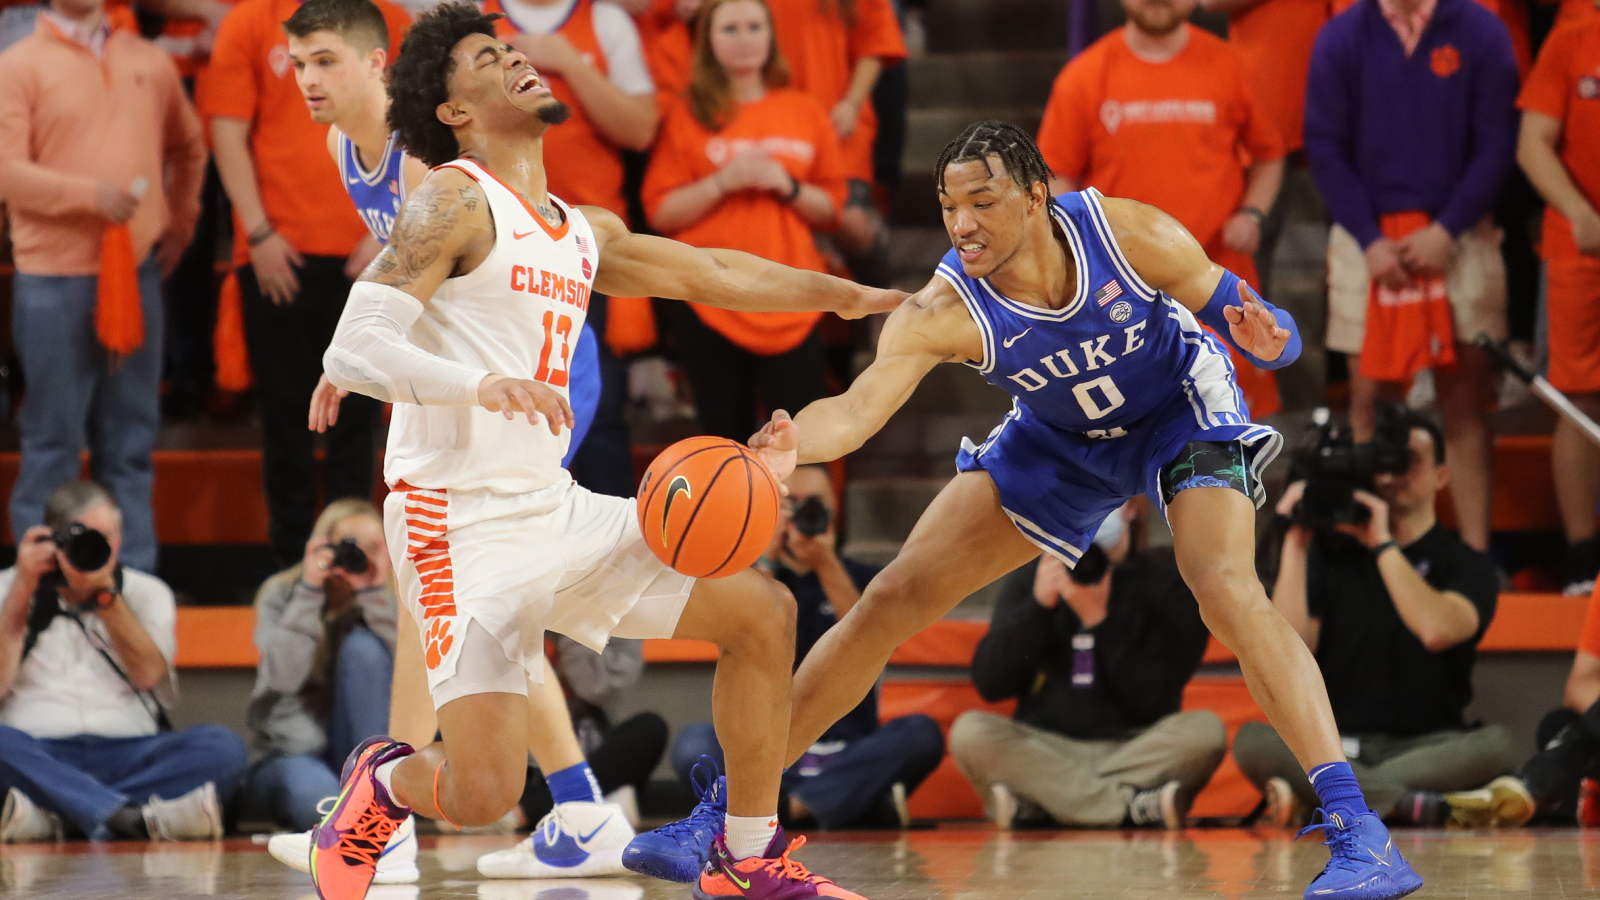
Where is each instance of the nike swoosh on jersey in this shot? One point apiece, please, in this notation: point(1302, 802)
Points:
point(1012, 340)
point(518, 237)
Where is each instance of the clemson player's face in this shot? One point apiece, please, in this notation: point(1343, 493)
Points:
point(332, 74)
point(494, 82)
point(985, 213)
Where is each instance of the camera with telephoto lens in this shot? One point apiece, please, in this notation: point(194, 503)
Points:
point(1091, 566)
point(86, 549)
point(1336, 467)
point(348, 555)
point(811, 517)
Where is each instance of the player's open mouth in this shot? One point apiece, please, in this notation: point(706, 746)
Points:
point(526, 84)
point(969, 250)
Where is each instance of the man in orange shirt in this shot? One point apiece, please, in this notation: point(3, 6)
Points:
point(1560, 130)
point(69, 194)
point(1162, 112)
point(297, 245)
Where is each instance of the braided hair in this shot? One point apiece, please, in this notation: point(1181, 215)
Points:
point(991, 137)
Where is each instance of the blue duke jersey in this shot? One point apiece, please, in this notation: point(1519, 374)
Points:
point(1107, 391)
point(378, 194)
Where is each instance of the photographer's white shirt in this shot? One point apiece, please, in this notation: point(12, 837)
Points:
point(64, 687)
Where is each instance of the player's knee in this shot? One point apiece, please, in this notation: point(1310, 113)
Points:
point(761, 624)
point(484, 795)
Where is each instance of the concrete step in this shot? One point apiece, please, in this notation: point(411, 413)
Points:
point(1004, 78)
point(961, 25)
point(929, 130)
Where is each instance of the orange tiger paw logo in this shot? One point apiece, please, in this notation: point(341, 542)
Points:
point(1446, 61)
point(439, 640)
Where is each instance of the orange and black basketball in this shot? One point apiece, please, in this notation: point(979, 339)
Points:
point(708, 507)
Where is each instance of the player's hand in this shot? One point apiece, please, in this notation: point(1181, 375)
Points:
point(872, 300)
point(274, 261)
point(1241, 233)
point(1050, 581)
point(114, 203)
point(509, 396)
point(1376, 529)
point(325, 399)
point(778, 445)
point(1427, 251)
point(1586, 233)
point(550, 54)
point(1383, 264)
point(844, 116)
point(362, 256)
point(1254, 329)
point(170, 248)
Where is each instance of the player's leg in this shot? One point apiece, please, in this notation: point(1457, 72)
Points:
point(1213, 535)
point(962, 542)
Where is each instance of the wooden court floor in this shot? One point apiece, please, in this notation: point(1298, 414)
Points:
point(969, 863)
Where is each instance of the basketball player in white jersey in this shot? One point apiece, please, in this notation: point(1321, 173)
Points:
point(466, 322)
point(337, 49)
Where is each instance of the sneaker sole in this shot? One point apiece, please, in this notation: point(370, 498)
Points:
point(302, 863)
point(593, 867)
point(666, 870)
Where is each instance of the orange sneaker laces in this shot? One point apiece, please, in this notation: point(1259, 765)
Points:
point(792, 869)
point(363, 844)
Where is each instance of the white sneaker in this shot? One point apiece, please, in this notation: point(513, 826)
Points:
point(397, 865)
point(575, 840)
point(1157, 806)
point(1283, 807)
point(627, 798)
point(902, 809)
point(1004, 807)
point(196, 816)
point(21, 822)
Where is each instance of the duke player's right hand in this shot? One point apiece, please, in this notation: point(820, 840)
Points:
point(509, 396)
point(778, 443)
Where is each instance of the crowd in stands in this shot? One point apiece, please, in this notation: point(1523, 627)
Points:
point(1432, 130)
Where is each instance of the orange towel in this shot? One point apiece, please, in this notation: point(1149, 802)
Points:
point(118, 313)
point(1408, 329)
point(630, 325)
point(227, 342)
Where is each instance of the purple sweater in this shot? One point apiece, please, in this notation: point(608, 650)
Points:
point(1385, 133)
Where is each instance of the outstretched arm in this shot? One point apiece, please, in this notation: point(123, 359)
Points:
point(444, 226)
point(930, 328)
point(635, 265)
point(1170, 260)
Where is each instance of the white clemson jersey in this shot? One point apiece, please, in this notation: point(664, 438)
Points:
point(518, 314)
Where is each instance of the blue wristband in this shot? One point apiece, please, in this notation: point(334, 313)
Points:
point(1227, 294)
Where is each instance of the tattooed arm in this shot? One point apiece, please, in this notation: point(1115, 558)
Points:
point(444, 229)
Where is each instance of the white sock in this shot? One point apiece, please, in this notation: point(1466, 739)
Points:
point(749, 836)
point(384, 773)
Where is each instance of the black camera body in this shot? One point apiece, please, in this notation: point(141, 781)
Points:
point(811, 517)
point(86, 549)
point(1336, 467)
point(348, 555)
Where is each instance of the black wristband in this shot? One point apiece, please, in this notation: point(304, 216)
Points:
point(259, 236)
point(1381, 548)
point(1254, 213)
point(794, 191)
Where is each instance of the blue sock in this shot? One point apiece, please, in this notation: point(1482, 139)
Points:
point(574, 783)
point(1337, 788)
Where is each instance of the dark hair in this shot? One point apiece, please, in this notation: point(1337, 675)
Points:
point(1415, 421)
point(1018, 153)
point(710, 92)
point(419, 80)
point(359, 22)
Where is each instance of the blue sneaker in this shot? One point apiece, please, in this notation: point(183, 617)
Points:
point(678, 851)
point(1365, 863)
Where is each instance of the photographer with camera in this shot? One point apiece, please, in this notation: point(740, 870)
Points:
point(1393, 607)
point(1097, 657)
point(326, 631)
point(859, 773)
point(86, 680)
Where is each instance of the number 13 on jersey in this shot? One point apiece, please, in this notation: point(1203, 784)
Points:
point(553, 365)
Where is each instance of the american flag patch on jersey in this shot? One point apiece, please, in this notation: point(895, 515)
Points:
point(583, 244)
point(1107, 293)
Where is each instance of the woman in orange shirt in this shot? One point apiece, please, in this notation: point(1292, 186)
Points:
point(746, 163)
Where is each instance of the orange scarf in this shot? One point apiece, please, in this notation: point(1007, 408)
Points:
point(1408, 329)
point(118, 310)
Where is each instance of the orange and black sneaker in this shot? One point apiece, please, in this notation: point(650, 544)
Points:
point(347, 844)
point(765, 877)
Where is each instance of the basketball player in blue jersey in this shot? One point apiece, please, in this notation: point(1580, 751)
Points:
point(1088, 311)
point(337, 50)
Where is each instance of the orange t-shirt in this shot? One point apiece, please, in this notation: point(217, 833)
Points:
point(1589, 641)
point(1572, 11)
point(822, 51)
point(668, 49)
point(1565, 85)
point(189, 64)
point(1273, 40)
point(1175, 135)
point(250, 78)
point(584, 168)
point(793, 129)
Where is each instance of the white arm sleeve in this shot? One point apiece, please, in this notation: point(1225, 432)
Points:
point(371, 355)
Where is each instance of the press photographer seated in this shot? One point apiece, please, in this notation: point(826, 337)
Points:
point(326, 631)
point(1393, 606)
point(86, 680)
